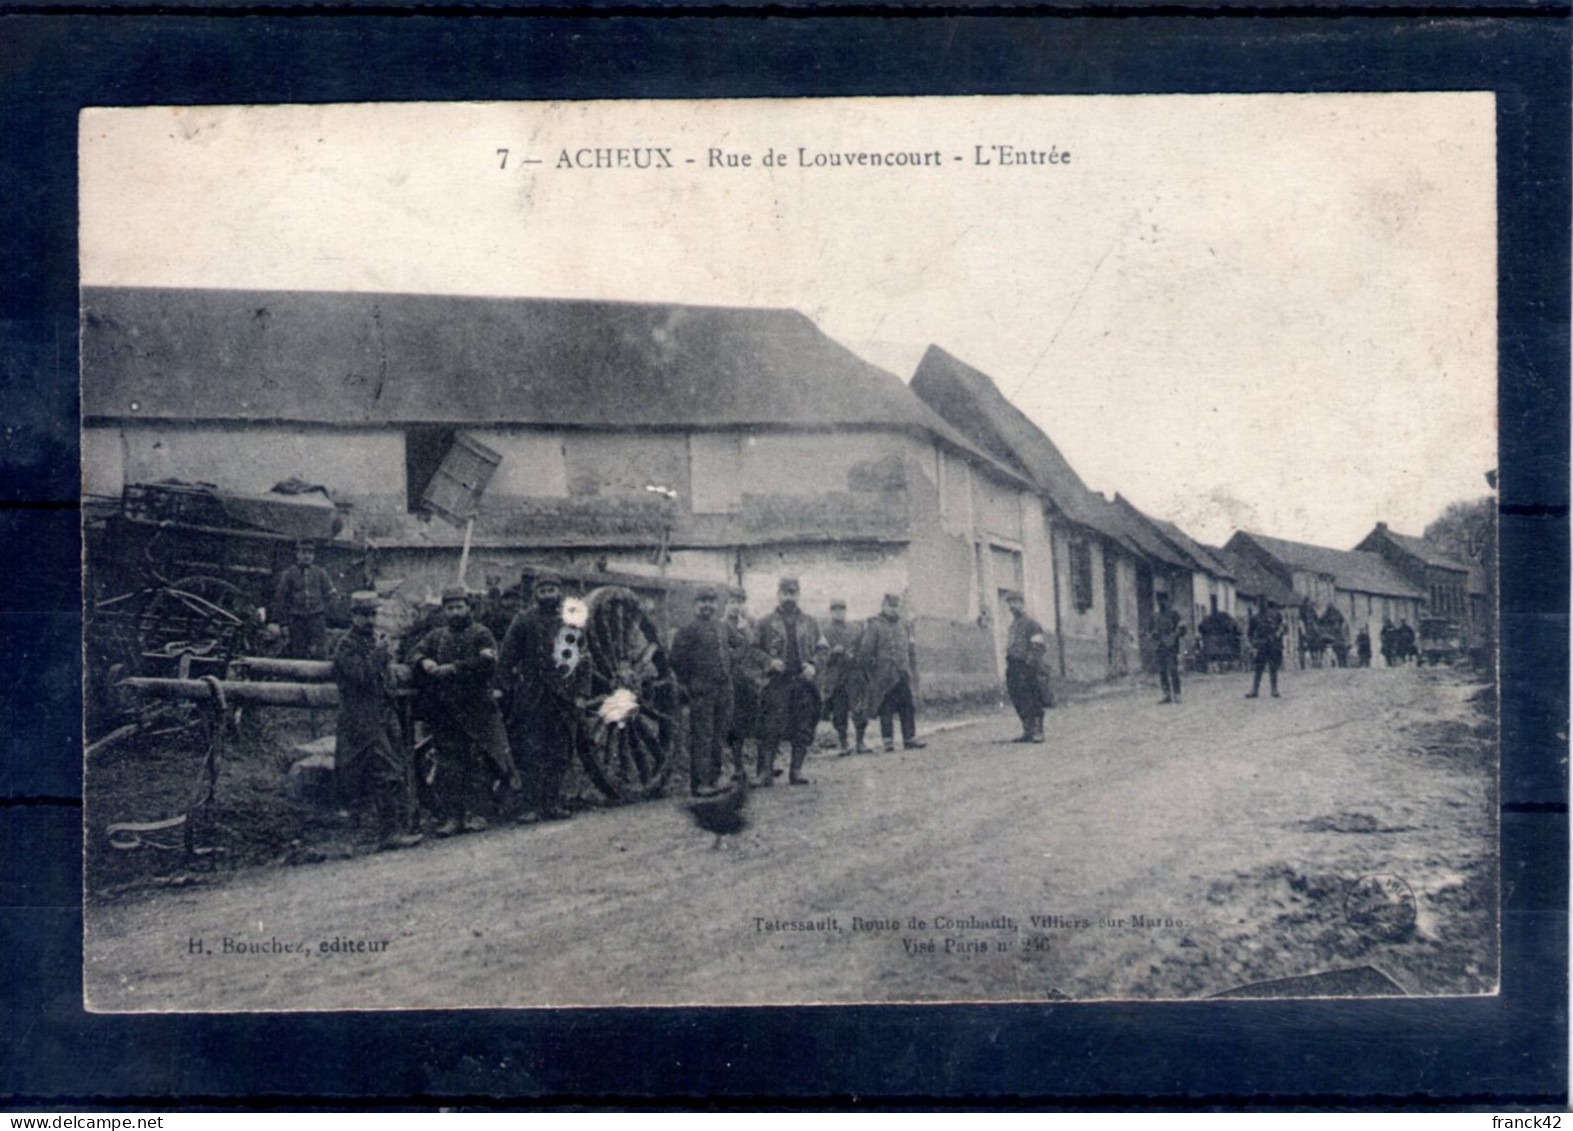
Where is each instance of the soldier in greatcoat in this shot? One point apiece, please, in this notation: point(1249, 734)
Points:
point(1405, 637)
point(1167, 630)
point(747, 678)
point(1335, 632)
point(1267, 646)
point(702, 661)
point(791, 648)
point(499, 614)
point(456, 663)
point(541, 699)
point(889, 665)
point(371, 757)
point(1026, 668)
point(842, 687)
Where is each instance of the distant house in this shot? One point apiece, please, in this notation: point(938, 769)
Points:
point(1163, 569)
point(1443, 582)
point(1212, 581)
point(710, 444)
point(1254, 583)
point(1364, 587)
point(1087, 595)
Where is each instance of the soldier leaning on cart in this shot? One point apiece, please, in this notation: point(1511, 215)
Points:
point(371, 757)
point(456, 663)
point(300, 600)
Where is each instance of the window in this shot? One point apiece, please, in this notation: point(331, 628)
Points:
point(424, 448)
point(715, 472)
point(1081, 575)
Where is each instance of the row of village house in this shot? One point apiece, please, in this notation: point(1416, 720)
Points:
point(710, 444)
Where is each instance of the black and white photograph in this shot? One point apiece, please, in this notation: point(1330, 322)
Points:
point(789, 551)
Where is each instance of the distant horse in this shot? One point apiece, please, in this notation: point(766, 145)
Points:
point(1313, 642)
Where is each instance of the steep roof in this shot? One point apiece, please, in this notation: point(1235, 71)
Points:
point(1205, 560)
point(1251, 579)
point(969, 399)
point(362, 358)
point(1141, 530)
point(1359, 570)
point(1419, 547)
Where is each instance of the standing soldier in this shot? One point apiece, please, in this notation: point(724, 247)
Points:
point(1267, 644)
point(702, 661)
point(890, 667)
point(1405, 638)
point(457, 662)
point(1026, 673)
point(1389, 642)
point(1363, 647)
point(841, 684)
point(370, 756)
point(746, 674)
point(301, 599)
point(1167, 629)
point(1335, 632)
point(790, 644)
point(541, 698)
point(499, 615)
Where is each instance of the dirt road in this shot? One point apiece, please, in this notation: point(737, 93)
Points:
point(1144, 851)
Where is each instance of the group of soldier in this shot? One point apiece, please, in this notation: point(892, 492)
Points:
point(774, 680)
point(502, 710)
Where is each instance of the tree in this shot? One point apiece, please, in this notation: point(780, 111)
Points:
point(1466, 531)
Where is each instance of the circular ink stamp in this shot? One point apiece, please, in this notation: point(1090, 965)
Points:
point(1380, 906)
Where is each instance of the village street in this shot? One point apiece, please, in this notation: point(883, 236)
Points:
point(1143, 851)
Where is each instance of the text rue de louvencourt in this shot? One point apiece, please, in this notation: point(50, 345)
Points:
point(804, 157)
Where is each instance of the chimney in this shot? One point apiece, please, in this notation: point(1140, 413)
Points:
point(1382, 526)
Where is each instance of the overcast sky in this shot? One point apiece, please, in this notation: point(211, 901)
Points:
point(1272, 312)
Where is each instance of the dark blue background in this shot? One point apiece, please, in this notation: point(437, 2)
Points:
point(1496, 1052)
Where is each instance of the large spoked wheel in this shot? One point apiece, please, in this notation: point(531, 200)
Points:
point(202, 614)
point(629, 719)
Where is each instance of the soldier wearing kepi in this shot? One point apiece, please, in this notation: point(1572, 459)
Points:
point(1026, 673)
point(371, 758)
point(499, 614)
point(841, 683)
point(456, 663)
point(301, 599)
point(747, 674)
point(1267, 644)
point(889, 665)
point(702, 661)
point(790, 646)
point(540, 698)
point(1167, 629)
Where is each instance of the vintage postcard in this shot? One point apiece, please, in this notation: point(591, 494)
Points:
point(763, 552)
